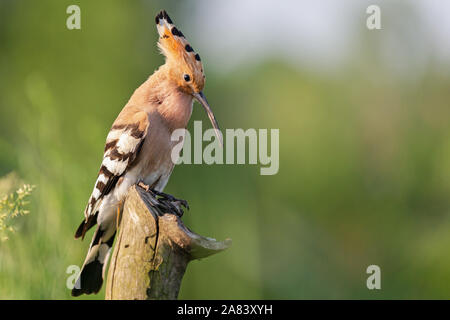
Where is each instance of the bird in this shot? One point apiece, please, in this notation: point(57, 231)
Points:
point(138, 146)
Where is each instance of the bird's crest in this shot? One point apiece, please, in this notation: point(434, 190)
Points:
point(176, 48)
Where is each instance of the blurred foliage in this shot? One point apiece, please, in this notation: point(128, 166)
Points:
point(364, 160)
point(12, 205)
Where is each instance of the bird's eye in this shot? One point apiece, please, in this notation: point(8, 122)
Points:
point(187, 78)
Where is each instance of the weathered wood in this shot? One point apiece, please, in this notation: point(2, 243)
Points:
point(152, 252)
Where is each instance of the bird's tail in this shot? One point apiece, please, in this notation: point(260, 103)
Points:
point(92, 273)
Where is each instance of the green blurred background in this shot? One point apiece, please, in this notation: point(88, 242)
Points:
point(364, 143)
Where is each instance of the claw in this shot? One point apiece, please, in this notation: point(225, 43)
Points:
point(169, 198)
point(171, 206)
point(185, 204)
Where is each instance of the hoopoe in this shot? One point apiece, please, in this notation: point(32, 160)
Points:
point(138, 147)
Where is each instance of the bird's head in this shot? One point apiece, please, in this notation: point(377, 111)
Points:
point(183, 64)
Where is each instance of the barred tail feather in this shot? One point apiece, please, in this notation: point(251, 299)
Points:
point(86, 225)
point(92, 273)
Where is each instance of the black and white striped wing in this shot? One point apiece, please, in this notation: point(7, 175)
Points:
point(122, 147)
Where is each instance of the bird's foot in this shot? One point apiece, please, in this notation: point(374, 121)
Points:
point(171, 198)
point(166, 202)
point(170, 203)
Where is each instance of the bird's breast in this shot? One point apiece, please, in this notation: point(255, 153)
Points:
point(156, 157)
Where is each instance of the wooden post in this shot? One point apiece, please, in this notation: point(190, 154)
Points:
point(152, 252)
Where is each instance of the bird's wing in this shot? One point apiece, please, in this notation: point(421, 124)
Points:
point(122, 147)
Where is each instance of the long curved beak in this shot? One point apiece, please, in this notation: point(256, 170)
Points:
point(200, 97)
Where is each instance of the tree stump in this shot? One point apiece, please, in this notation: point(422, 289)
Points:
point(152, 251)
